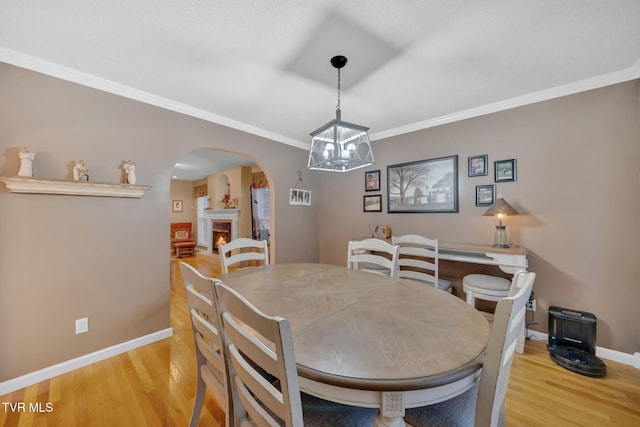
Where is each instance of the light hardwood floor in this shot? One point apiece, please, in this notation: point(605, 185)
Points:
point(155, 386)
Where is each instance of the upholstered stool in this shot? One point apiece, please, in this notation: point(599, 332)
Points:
point(185, 249)
point(485, 287)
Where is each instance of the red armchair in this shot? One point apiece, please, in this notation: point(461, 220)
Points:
point(182, 243)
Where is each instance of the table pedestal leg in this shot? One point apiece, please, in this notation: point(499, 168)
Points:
point(391, 409)
point(389, 422)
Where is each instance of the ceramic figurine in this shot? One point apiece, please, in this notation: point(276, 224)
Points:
point(26, 162)
point(129, 172)
point(80, 171)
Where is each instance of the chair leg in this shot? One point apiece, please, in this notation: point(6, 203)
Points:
point(197, 405)
point(471, 300)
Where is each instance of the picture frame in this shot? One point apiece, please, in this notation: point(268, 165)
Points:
point(299, 197)
point(425, 186)
point(372, 180)
point(485, 195)
point(478, 165)
point(504, 170)
point(176, 206)
point(372, 203)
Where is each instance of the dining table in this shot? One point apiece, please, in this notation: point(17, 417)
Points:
point(369, 340)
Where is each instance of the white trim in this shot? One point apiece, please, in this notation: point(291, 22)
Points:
point(65, 73)
point(605, 353)
point(69, 74)
point(628, 74)
point(44, 374)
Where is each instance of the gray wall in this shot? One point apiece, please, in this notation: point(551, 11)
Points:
point(67, 257)
point(578, 188)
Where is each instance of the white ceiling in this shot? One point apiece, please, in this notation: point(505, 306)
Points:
point(200, 163)
point(263, 66)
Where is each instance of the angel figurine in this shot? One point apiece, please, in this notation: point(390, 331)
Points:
point(26, 162)
point(129, 172)
point(80, 171)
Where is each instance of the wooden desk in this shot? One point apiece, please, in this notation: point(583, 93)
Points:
point(369, 340)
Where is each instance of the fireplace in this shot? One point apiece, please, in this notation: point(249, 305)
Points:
point(221, 230)
point(227, 219)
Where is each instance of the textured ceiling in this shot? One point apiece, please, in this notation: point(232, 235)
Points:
point(263, 66)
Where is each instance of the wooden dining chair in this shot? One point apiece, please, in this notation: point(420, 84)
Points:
point(242, 250)
point(263, 375)
point(418, 260)
point(373, 255)
point(208, 343)
point(483, 405)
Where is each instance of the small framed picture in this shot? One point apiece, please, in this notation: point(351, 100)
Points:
point(372, 181)
point(176, 206)
point(504, 170)
point(485, 195)
point(478, 165)
point(372, 203)
point(299, 197)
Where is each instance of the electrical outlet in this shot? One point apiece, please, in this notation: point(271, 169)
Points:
point(531, 304)
point(82, 325)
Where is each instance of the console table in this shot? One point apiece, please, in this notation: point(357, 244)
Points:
point(510, 260)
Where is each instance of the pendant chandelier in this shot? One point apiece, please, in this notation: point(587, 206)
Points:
point(340, 146)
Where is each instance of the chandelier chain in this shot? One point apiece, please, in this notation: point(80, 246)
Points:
point(338, 107)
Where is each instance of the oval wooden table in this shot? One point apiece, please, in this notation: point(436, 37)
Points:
point(369, 340)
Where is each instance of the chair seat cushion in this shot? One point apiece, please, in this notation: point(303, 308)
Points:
point(484, 282)
point(444, 285)
point(185, 245)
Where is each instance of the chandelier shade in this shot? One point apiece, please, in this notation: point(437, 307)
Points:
point(340, 146)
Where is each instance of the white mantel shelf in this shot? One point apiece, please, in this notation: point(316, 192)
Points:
point(32, 185)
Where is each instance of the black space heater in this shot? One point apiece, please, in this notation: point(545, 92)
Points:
point(572, 341)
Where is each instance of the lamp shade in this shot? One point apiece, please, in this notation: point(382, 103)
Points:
point(501, 207)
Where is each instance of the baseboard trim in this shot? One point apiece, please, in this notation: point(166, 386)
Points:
point(44, 374)
point(605, 353)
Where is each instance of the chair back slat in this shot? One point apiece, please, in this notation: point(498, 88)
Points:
point(418, 258)
point(262, 369)
point(242, 250)
point(373, 254)
point(250, 345)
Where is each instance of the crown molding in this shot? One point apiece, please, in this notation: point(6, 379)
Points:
point(65, 73)
point(628, 74)
point(89, 80)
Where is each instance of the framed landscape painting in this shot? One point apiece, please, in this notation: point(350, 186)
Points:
point(423, 186)
point(372, 203)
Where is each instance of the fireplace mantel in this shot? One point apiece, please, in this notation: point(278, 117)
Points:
point(221, 215)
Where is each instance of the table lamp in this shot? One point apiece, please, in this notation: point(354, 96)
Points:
point(500, 210)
